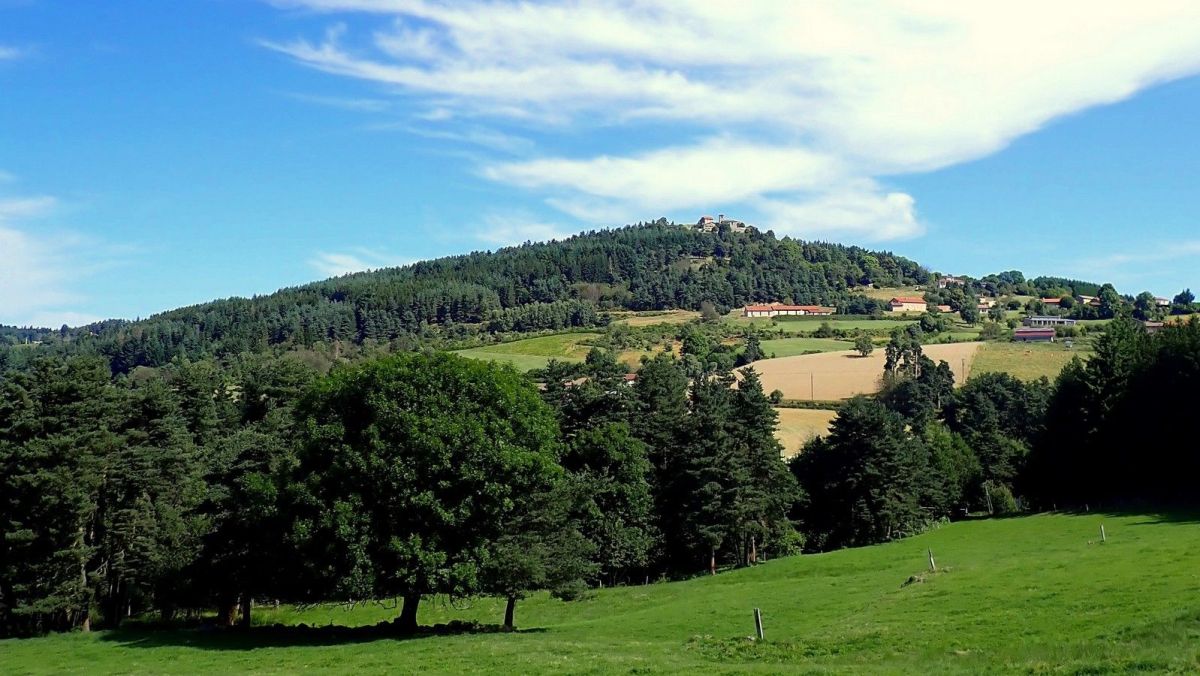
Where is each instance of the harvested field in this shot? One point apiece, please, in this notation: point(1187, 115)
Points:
point(653, 318)
point(841, 375)
point(798, 425)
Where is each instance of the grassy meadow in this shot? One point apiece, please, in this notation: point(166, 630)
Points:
point(1034, 594)
point(788, 347)
point(533, 353)
point(1028, 361)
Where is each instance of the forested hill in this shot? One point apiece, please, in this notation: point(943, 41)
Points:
point(530, 287)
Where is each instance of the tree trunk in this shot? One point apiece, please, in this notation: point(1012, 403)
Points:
point(712, 562)
point(508, 613)
point(753, 551)
point(408, 613)
point(247, 604)
point(85, 623)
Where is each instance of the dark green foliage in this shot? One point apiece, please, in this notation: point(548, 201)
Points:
point(409, 469)
point(1100, 443)
point(919, 393)
point(538, 548)
point(865, 482)
point(864, 345)
point(99, 484)
point(611, 473)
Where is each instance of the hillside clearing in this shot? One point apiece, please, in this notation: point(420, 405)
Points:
point(1019, 595)
point(840, 375)
point(533, 353)
point(798, 425)
point(652, 318)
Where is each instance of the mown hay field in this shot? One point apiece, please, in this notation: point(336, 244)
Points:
point(844, 374)
point(653, 318)
point(798, 425)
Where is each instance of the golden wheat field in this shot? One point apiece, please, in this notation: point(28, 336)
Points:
point(798, 425)
point(843, 374)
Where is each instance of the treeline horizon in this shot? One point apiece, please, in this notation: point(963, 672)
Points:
point(554, 285)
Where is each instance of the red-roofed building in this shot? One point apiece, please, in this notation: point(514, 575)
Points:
point(779, 309)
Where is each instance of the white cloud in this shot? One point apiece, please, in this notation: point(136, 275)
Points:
point(41, 270)
point(9, 53)
point(861, 210)
point(513, 229)
point(804, 99)
point(715, 170)
point(358, 259)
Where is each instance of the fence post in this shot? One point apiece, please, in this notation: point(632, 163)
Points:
point(758, 629)
point(932, 565)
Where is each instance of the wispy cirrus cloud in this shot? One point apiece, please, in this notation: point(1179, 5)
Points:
point(800, 109)
point(361, 105)
point(8, 53)
point(356, 259)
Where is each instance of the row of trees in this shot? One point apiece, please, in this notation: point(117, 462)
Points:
point(212, 485)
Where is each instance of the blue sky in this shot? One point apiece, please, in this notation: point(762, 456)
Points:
point(157, 154)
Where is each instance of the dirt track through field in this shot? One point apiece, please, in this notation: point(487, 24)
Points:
point(841, 375)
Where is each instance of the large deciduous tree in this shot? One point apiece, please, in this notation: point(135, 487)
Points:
point(411, 467)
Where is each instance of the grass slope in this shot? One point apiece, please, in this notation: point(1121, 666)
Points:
point(532, 353)
point(1020, 595)
point(1028, 361)
point(788, 347)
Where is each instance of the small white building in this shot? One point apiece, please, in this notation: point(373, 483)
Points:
point(1042, 322)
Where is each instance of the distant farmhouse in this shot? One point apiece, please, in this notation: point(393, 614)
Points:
point(1162, 302)
point(710, 224)
point(950, 280)
point(781, 310)
point(1034, 335)
point(1152, 327)
point(1041, 322)
point(907, 304)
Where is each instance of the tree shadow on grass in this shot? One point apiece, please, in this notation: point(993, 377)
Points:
point(1152, 515)
point(209, 637)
